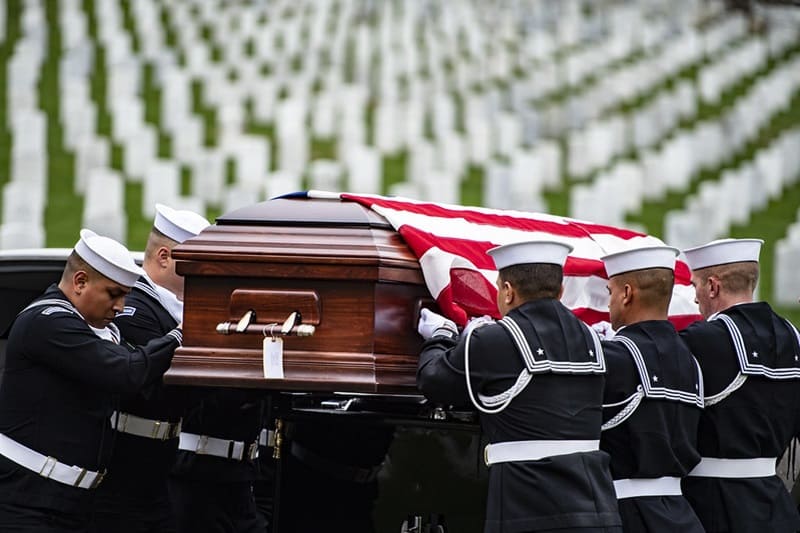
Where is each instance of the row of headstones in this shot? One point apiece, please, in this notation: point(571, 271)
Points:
point(786, 282)
point(124, 81)
point(263, 106)
point(109, 29)
point(246, 71)
point(24, 194)
point(600, 142)
point(3, 16)
point(175, 102)
point(672, 165)
point(717, 205)
point(175, 97)
point(451, 19)
point(247, 68)
point(130, 120)
point(140, 143)
point(129, 148)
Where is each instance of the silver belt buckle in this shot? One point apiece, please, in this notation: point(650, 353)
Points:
point(98, 479)
point(252, 451)
point(202, 443)
point(80, 477)
point(48, 466)
point(174, 431)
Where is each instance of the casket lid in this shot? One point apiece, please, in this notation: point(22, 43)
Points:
point(298, 231)
point(292, 212)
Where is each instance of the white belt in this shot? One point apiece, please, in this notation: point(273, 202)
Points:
point(533, 450)
point(227, 449)
point(49, 467)
point(266, 438)
point(660, 486)
point(144, 427)
point(735, 468)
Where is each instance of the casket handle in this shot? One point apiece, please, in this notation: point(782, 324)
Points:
point(247, 325)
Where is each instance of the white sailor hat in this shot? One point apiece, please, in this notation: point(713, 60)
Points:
point(178, 225)
point(640, 259)
point(722, 252)
point(108, 257)
point(518, 253)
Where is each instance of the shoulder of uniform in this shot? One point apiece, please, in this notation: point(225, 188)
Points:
point(49, 306)
point(139, 300)
point(143, 290)
point(492, 333)
point(52, 309)
point(615, 351)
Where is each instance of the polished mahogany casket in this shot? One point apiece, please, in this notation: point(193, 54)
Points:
point(341, 267)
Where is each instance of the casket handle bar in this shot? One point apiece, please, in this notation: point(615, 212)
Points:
point(248, 326)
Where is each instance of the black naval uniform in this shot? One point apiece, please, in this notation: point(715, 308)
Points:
point(562, 402)
point(653, 397)
point(59, 382)
point(751, 365)
point(211, 493)
point(330, 477)
point(134, 496)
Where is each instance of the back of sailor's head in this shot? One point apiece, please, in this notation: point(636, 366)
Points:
point(650, 268)
point(534, 268)
point(734, 262)
point(723, 252)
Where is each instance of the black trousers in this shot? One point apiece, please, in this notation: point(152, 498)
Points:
point(313, 502)
point(126, 511)
point(16, 518)
point(213, 507)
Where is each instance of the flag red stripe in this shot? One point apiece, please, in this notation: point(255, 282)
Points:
point(420, 234)
point(475, 251)
point(567, 228)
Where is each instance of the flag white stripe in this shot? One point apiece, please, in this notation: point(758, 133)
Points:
point(589, 246)
point(589, 292)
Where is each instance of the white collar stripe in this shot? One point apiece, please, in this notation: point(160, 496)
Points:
point(658, 392)
point(748, 367)
point(519, 340)
point(146, 288)
point(534, 366)
point(52, 301)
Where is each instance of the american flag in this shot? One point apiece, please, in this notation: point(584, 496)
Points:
point(451, 241)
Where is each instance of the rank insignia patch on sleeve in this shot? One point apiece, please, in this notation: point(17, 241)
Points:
point(54, 309)
point(127, 311)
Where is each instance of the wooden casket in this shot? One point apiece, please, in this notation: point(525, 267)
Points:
point(340, 266)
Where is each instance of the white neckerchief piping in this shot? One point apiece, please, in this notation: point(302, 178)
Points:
point(165, 297)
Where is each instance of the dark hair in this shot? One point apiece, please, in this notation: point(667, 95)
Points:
point(654, 284)
point(534, 281)
point(76, 263)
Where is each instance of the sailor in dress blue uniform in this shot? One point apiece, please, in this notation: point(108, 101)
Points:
point(134, 496)
point(750, 358)
point(653, 395)
point(65, 365)
point(537, 378)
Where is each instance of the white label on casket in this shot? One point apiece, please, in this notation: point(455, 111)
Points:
point(273, 358)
